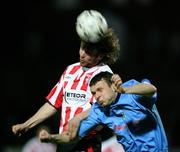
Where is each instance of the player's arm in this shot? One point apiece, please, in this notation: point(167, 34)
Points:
point(45, 136)
point(74, 123)
point(143, 89)
point(87, 125)
point(85, 128)
point(43, 113)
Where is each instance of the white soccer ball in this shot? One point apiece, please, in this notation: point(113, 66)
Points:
point(91, 26)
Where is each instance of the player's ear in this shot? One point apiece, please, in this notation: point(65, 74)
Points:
point(100, 57)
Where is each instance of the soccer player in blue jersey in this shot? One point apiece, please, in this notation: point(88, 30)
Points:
point(128, 109)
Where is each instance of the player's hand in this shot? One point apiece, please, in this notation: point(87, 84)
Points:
point(73, 126)
point(117, 81)
point(18, 129)
point(44, 135)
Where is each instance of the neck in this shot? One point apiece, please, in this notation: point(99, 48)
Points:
point(85, 68)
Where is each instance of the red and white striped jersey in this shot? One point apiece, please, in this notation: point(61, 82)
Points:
point(72, 92)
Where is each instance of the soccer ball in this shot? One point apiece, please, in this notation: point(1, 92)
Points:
point(91, 26)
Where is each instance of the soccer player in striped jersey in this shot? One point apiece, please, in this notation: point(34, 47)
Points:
point(71, 95)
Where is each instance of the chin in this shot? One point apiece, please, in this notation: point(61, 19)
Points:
point(83, 64)
point(104, 105)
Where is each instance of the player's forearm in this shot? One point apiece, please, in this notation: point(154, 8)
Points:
point(42, 114)
point(83, 115)
point(61, 138)
point(141, 89)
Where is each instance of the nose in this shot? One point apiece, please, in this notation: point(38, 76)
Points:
point(82, 53)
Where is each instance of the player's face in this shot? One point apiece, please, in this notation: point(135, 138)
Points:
point(87, 60)
point(103, 93)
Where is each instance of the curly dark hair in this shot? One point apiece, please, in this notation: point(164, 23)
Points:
point(109, 47)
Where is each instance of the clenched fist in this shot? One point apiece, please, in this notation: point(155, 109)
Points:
point(117, 81)
point(44, 135)
point(19, 129)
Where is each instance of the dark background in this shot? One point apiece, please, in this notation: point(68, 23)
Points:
point(39, 40)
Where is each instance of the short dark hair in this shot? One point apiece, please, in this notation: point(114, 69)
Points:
point(109, 47)
point(101, 76)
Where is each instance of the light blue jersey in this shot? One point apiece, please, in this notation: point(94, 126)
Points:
point(133, 118)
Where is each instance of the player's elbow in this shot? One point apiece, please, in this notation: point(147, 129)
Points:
point(154, 89)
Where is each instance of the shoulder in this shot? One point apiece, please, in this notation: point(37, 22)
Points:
point(105, 67)
point(72, 68)
point(77, 64)
point(102, 68)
